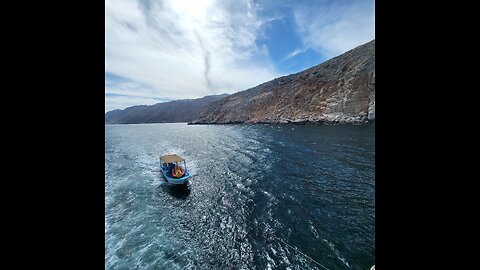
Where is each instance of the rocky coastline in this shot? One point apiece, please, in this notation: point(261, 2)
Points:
point(338, 91)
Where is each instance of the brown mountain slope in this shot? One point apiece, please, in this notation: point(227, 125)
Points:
point(183, 110)
point(341, 90)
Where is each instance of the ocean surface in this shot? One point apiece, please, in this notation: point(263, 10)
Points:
point(261, 197)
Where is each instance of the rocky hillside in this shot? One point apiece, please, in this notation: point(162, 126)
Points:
point(340, 90)
point(168, 112)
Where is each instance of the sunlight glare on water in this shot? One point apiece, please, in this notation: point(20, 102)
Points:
point(312, 186)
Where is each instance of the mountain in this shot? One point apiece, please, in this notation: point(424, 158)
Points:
point(340, 90)
point(184, 110)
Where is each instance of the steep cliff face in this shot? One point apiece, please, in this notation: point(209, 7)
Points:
point(168, 112)
point(341, 90)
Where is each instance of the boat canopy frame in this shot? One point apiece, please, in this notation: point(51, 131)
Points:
point(173, 159)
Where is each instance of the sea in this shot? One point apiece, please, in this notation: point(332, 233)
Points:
point(262, 196)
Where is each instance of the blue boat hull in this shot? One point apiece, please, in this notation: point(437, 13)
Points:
point(176, 181)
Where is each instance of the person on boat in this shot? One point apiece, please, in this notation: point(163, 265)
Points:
point(177, 171)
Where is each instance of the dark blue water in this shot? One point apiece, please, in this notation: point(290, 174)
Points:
point(258, 192)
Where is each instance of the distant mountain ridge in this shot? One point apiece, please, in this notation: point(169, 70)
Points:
point(340, 90)
point(184, 110)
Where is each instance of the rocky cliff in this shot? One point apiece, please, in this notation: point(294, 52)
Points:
point(340, 90)
point(167, 112)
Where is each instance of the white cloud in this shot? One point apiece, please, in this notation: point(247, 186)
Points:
point(335, 27)
point(182, 49)
point(294, 53)
point(176, 49)
point(116, 102)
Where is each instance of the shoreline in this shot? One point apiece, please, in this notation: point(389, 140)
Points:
point(287, 122)
point(307, 122)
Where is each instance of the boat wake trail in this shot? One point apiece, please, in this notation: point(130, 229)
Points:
point(260, 197)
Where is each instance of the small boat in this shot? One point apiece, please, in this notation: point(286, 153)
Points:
point(172, 170)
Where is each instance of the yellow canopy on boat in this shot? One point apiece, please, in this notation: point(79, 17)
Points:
point(171, 158)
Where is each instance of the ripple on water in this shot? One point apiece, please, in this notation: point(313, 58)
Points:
point(313, 187)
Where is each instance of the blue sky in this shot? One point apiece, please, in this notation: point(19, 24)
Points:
point(157, 51)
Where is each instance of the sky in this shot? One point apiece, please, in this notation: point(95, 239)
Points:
point(162, 50)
